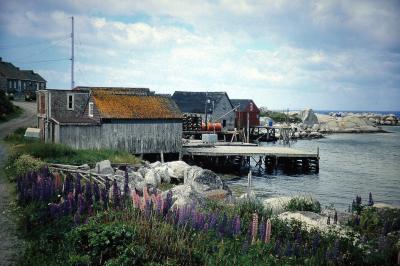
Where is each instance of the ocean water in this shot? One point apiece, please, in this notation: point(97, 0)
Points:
point(350, 165)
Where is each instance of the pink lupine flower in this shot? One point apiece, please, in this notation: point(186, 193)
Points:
point(254, 228)
point(268, 232)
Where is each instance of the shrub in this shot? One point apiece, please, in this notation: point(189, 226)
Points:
point(23, 164)
point(304, 204)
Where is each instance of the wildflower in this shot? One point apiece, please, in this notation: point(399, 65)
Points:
point(88, 194)
point(245, 246)
point(328, 221)
point(96, 191)
point(77, 218)
point(288, 250)
point(55, 210)
point(81, 204)
point(254, 227)
point(221, 227)
point(370, 200)
point(116, 195)
point(68, 184)
point(78, 188)
point(315, 244)
point(57, 181)
point(262, 230)
point(126, 184)
point(357, 220)
point(268, 232)
point(104, 197)
point(358, 201)
point(205, 228)
point(236, 226)
point(277, 247)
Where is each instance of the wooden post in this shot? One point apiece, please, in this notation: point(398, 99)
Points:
point(162, 156)
point(248, 127)
point(249, 176)
point(141, 149)
point(180, 155)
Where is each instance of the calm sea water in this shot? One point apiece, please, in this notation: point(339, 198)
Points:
point(350, 164)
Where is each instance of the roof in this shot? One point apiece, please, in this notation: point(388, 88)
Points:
point(121, 90)
point(8, 70)
point(117, 105)
point(243, 103)
point(71, 120)
point(195, 102)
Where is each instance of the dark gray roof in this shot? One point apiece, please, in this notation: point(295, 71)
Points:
point(10, 71)
point(242, 102)
point(195, 102)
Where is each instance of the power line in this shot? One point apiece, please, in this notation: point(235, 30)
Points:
point(42, 61)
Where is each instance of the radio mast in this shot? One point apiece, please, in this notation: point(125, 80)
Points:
point(72, 54)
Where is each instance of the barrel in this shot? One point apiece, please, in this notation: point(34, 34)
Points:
point(211, 127)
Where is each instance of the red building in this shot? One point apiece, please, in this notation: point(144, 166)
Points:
point(246, 106)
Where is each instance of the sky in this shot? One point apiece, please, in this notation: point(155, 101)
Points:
point(325, 55)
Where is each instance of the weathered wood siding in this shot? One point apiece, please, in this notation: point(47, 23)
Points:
point(165, 135)
point(220, 109)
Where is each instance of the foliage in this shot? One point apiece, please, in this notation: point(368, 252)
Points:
point(58, 153)
point(78, 228)
point(281, 117)
point(23, 164)
point(304, 203)
point(18, 137)
point(7, 109)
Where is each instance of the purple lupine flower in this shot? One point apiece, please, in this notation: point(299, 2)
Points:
point(213, 220)
point(55, 210)
point(168, 203)
point(357, 220)
point(262, 230)
point(127, 190)
point(335, 218)
point(104, 197)
point(245, 246)
point(277, 247)
point(288, 250)
point(81, 204)
point(336, 249)
point(78, 187)
point(116, 195)
point(328, 221)
point(353, 206)
point(88, 194)
point(222, 225)
point(65, 207)
point(96, 191)
point(358, 201)
point(68, 185)
point(315, 244)
point(205, 228)
point(370, 200)
point(77, 218)
point(236, 226)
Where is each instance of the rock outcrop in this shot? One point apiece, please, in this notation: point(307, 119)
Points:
point(308, 117)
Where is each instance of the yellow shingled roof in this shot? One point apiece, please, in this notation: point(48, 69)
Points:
point(112, 104)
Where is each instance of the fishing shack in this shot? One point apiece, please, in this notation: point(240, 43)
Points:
point(112, 118)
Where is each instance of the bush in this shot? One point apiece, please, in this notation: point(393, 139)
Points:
point(23, 164)
point(304, 204)
point(7, 109)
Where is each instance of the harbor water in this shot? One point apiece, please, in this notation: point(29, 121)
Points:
point(350, 165)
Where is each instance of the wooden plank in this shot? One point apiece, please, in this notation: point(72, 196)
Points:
point(280, 152)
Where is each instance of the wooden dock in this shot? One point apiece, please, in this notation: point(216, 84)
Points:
point(267, 158)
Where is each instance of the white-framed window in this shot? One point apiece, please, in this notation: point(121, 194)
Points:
point(70, 101)
point(90, 110)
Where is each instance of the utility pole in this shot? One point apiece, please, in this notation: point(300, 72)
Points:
point(72, 54)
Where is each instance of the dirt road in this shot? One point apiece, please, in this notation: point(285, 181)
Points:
point(9, 242)
point(27, 119)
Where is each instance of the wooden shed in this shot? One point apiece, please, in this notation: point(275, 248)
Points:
point(118, 119)
point(246, 106)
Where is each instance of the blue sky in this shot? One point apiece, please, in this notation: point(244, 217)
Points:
point(342, 55)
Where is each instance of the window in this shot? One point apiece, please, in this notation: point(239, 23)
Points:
point(90, 109)
point(224, 123)
point(70, 101)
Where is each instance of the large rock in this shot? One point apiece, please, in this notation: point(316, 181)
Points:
point(163, 172)
point(104, 168)
point(308, 117)
point(202, 179)
point(177, 169)
point(183, 195)
point(152, 178)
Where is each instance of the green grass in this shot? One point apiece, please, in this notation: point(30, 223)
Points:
point(17, 111)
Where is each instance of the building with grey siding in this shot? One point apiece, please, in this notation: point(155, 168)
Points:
point(211, 106)
point(19, 83)
point(130, 119)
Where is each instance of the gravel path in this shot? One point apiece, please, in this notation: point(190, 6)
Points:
point(9, 242)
